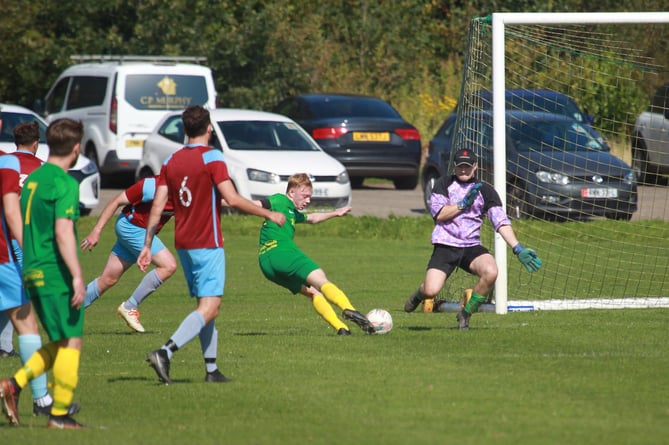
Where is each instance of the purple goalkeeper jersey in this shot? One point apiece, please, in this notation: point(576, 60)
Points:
point(464, 230)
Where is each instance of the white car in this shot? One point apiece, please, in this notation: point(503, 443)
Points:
point(84, 171)
point(261, 151)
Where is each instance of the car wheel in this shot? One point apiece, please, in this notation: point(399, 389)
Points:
point(619, 216)
point(430, 180)
point(516, 202)
point(145, 172)
point(92, 154)
point(84, 211)
point(640, 165)
point(406, 182)
point(356, 182)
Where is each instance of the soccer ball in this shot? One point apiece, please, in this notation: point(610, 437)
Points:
point(381, 320)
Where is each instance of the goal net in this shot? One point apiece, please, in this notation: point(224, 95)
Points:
point(577, 188)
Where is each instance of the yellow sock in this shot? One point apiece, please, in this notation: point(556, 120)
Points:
point(325, 310)
point(38, 363)
point(336, 296)
point(65, 377)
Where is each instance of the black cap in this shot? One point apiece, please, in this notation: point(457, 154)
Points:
point(465, 156)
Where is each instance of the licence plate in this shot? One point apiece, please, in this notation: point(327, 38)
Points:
point(134, 143)
point(599, 193)
point(359, 136)
point(320, 192)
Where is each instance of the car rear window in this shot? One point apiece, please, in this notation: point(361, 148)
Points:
point(165, 91)
point(353, 107)
point(264, 135)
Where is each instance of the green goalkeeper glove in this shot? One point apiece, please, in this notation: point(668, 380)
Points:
point(527, 258)
point(469, 198)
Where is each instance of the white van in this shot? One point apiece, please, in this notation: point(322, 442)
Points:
point(119, 99)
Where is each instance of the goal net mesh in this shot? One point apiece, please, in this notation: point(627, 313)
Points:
point(601, 227)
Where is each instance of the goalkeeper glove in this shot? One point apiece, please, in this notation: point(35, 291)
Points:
point(527, 258)
point(469, 198)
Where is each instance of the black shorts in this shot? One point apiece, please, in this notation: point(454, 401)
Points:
point(447, 258)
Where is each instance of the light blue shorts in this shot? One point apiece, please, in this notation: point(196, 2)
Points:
point(130, 240)
point(11, 286)
point(204, 270)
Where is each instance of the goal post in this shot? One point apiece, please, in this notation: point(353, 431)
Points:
point(619, 260)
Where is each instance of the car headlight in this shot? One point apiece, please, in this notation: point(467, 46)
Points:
point(552, 178)
point(342, 178)
point(89, 168)
point(263, 176)
point(629, 177)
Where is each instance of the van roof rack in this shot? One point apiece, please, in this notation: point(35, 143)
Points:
point(121, 58)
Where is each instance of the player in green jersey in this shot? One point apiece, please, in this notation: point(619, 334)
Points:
point(282, 262)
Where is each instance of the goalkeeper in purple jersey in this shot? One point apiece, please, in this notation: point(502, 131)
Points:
point(458, 205)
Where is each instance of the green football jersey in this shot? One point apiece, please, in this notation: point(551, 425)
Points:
point(49, 193)
point(273, 236)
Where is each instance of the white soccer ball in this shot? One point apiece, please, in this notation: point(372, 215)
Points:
point(381, 320)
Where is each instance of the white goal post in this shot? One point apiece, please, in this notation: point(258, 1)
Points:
point(499, 22)
point(603, 50)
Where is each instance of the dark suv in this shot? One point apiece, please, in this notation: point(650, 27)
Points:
point(364, 133)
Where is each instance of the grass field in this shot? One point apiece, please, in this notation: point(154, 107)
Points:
point(572, 377)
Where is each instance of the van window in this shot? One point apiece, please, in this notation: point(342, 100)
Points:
point(54, 103)
point(86, 91)
point(165, 92)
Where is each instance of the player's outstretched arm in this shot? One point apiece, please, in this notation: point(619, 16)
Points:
point(317, 217)
point(527, 257)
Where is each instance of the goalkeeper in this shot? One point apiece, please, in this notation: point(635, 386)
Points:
point(458, 205)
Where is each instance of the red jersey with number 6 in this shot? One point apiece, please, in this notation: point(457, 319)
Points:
point(191, 175)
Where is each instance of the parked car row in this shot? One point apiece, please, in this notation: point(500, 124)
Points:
point(131, 105)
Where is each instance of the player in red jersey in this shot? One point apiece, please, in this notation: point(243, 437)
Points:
point(195, 178)
point(130, 228)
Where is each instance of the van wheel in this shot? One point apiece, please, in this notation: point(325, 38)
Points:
point(92, 154)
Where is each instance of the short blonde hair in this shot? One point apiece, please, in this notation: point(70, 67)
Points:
point(298, 180)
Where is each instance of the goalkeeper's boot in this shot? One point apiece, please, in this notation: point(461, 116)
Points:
point(160, 363)
point(359, 319)
point(9, 393)
point(412, 303)
point(343, 332)
point(216, 377)
point(463, 320)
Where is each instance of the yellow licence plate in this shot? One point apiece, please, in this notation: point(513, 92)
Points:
point(134, 143)
point(371, 137)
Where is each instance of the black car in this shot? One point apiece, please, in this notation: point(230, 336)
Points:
point(556, 168)
point(364, 133)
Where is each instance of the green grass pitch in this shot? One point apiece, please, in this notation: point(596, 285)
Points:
point(570, 377)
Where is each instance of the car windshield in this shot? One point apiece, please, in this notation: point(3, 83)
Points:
point(266, 135)
point(552, 135)
point(535, 101)
point(11, 120)
point(353, 107)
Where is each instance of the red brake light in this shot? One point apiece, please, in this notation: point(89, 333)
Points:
point(408, 134)
point(329, 133)
point(113, 114)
